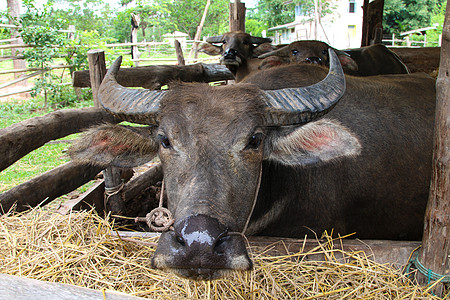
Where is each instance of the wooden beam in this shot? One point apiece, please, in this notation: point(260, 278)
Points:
point(435, 251)
point(15, 287)
point(47, 186)
point(21, 138)
point(152, 77)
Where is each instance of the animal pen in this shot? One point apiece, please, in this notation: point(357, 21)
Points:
point(83, 249)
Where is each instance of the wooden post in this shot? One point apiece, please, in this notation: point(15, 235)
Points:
point(179, 52)
point(436, 236)
point(135, 20)
point(365, 24)
point(237, 16)
point(97, 70)
point(113, 176)
point(198, 34)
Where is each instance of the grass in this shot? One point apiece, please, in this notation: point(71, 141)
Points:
point(42, 159)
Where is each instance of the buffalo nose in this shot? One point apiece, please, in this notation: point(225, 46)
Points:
point(313, 60)
point(201, 233)
point(230, 53)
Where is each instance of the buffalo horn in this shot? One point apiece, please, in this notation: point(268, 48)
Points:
point(215, 39)
point(284, 51)
point(134, 105)
point(301, 105)
point(259, 40)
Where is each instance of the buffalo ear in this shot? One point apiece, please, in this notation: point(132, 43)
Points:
point(263, 48)
point(273, 61)
point(115, 145)
point(348, 63)
point(209, 49)
point(318, 141)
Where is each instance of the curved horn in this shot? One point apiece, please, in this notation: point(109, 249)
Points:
point(133, 105)
point(259, 40)
point(283, 51)
point(215, 39)
point(301, 105)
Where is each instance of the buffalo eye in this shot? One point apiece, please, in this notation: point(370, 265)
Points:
point(294, 52)
point(325, 52)
point(254, 141)
point(164, 140)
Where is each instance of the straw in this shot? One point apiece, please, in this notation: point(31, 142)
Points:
point(79, 249)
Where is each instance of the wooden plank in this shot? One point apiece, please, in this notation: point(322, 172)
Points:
point(21, 288)
point(153, 77)
point(380, 251)
point(46, 187)
point(396, 253)
point(436, 236)
point(93, 197)
point(21, 138)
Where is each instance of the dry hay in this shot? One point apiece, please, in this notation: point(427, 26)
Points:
point(79, 249)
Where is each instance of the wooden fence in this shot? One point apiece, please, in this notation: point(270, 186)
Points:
point(165, 52)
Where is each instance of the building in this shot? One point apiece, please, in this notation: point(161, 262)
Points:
point(340, 29)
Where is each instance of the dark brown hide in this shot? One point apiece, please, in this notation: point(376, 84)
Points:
point(366, 61)
point(380, 194)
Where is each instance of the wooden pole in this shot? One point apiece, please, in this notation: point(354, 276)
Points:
point(114, 178)
point(237, 16)
point(47, 186)
point(198, 34)
point(365, 28)
point(436, 236)
point(179, 52)
point(97, 70)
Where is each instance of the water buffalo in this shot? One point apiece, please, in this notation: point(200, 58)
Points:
point(238, 50)
point(259, 158)
point(365, 61)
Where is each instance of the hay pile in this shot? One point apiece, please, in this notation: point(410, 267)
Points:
point(78, 249)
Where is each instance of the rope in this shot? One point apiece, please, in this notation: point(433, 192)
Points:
point(159, 219)
point(112, 191)
point(427, 272)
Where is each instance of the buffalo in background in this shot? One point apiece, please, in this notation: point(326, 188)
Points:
point(238, 50)
point(366, 61)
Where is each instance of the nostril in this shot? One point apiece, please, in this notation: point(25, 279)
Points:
point(180, 240)
point(220, 244)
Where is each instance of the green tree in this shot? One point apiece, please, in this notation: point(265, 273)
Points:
point(273, 12)
point(47, 42)
point(404, 15)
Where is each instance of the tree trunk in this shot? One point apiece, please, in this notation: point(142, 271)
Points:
point(153, 77)
point(436, 236)
point(14, 13)
point(47, 186)
point(237, 16)
point(20, 139)
point(198, 35)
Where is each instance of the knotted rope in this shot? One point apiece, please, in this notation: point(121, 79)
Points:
point(159, 219)
point(109, 192)
point(414, 261)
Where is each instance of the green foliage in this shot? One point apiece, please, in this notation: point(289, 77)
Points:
point(254, 27)
point(273, 12)
point(405, 15)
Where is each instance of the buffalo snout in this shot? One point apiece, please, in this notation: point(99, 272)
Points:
point(201, 248)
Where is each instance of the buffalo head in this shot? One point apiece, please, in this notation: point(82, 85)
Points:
point(236, 47)
point(309, 52)
point(212, 142)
